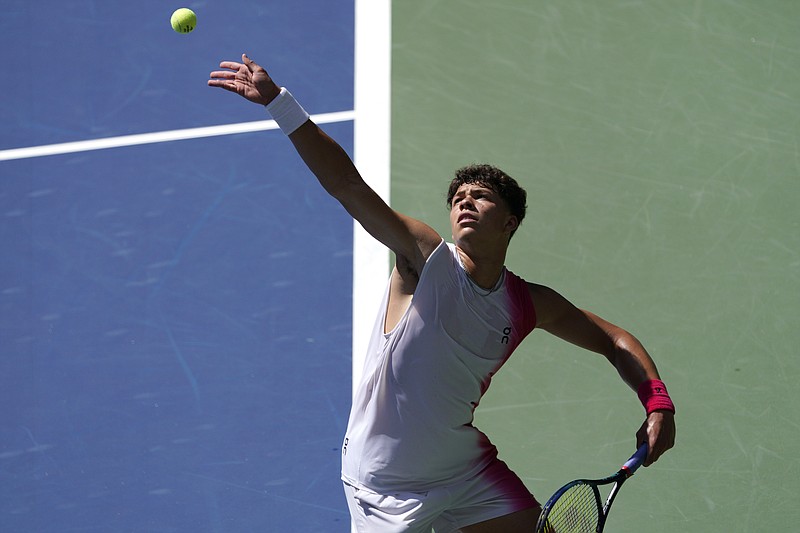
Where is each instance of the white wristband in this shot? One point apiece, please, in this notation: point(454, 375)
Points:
point(285, 110)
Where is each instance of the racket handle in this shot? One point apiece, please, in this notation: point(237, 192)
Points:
point(636, 460)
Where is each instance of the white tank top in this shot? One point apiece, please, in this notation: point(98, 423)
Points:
point(410, 426)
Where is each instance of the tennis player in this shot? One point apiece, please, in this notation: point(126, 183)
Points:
point(452, 314)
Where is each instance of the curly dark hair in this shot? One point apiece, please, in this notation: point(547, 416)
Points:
point(495, 179)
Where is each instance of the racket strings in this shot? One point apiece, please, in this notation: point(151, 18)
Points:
point(576, 511)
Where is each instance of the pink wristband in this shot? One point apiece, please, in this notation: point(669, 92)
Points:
point(653, 395)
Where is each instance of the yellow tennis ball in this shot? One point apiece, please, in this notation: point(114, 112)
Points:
point(183, 20)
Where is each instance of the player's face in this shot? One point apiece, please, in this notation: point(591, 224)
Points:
point(476, 208)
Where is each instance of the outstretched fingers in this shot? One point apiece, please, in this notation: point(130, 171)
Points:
point(226, 79)
point(233, 65)
point(248, 79)
point(222, 78)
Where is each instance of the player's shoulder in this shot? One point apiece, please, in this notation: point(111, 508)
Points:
point(539, 290)
point(548, 301)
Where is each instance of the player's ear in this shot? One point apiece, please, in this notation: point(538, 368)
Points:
point(512, 224)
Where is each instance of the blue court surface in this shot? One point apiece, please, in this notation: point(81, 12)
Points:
point(175, 317)
point(181, 304)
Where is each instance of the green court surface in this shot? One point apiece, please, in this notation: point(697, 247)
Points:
point(659, 145)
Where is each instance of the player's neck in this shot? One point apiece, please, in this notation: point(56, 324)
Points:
point(484, 268)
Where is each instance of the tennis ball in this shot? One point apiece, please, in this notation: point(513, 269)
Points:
point(183, 20)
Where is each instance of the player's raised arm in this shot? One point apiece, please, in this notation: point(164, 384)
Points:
point(331, 165)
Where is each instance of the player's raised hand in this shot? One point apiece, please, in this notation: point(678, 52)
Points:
point(247, 79)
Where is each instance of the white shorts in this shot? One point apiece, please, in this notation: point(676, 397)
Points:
point(495, 492)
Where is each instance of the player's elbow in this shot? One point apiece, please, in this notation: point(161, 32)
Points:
point(624, 348)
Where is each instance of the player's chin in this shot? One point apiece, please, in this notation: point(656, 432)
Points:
point(465, 228)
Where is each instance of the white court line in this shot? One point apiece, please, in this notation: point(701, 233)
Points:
point(160, 137)
point(372, 147)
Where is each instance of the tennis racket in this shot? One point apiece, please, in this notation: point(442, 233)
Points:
point(577, 507)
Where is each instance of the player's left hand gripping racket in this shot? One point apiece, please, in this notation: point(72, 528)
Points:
point(577, 507)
